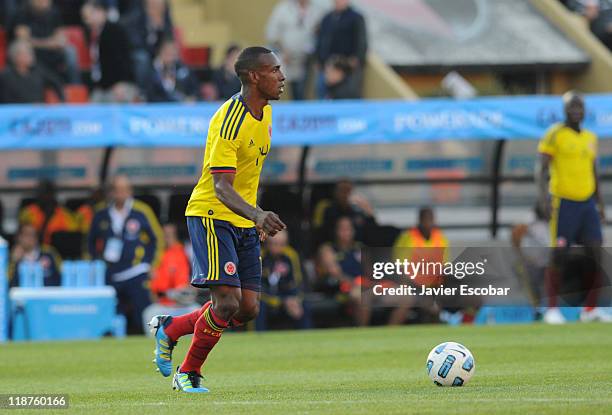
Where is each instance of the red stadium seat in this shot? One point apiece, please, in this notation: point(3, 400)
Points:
point(73, 94)
point(2, 48)
point(51, 97)
point(191, 56)
point(195, 56)
point(76, 94)
point(76, 37)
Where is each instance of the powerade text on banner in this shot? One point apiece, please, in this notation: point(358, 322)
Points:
point(304, 123)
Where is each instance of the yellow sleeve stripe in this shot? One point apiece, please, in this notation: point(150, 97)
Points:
point(230, 110)
point(230, 130)
point(243, 113)
point(230, 122)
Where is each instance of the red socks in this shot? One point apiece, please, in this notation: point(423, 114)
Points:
point(552, 285)
point(206, 334)
point(206, 328)
point(594, 285)
point(183, 325)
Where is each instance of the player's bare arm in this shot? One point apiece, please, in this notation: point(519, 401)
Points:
point(265, 221)
point(541, 178)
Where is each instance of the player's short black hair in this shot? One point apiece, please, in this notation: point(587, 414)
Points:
point(248, 60)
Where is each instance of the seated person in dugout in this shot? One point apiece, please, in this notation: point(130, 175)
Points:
point(282, 297)
point(427, 244)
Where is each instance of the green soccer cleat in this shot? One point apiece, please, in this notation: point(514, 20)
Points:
point(187, 382)
point(163, 344)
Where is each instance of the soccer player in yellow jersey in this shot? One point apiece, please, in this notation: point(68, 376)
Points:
point(225, 224)
point(571, 201)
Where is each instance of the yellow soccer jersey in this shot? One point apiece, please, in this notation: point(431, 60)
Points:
point(238, 143)
point(571, 170)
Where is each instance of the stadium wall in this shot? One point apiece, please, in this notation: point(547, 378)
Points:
point(243, 21)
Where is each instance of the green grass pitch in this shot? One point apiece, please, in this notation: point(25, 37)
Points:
point(527, 369)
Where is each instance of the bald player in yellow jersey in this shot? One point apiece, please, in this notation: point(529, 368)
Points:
point(571, 201)
point(225, 224)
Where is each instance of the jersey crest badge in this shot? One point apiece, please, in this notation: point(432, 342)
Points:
point(230, 268)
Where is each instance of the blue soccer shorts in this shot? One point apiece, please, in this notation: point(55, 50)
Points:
point(574, 222)
point(224, 254)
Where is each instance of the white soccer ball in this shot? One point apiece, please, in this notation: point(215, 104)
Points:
point(450, 364)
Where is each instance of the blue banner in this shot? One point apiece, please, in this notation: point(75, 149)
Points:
point(4, 308)
point(312, 123)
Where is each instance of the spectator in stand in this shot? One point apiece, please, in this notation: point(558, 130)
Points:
point(69, 11)
point(39, 23)
point(344, 203)
point(169, 80)
point(147, 28)
point(46, 215)
point(127, 236)
point(7, 11)
point(111, 72)
point(339, 80)
point(28, 248)
point(342, 33)
point(225, 79)
point(340, 271)
point(23, 81)
point(281, 285)
point(599, 15)
point(71, 14)
point(601, 21)
point(291, 31)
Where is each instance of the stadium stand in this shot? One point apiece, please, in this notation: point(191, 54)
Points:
point(152, 201)
point(2, 48)
point(76, 37)
point(176, 207)
point(69, 245)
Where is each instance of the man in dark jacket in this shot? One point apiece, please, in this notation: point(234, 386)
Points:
point(127, 236)
point(169, 80)
point(24, 82)
point(342, 33)
point(147, 28)
point(39, 23)
point(111, 71)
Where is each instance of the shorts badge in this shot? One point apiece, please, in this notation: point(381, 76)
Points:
point(230, 268)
